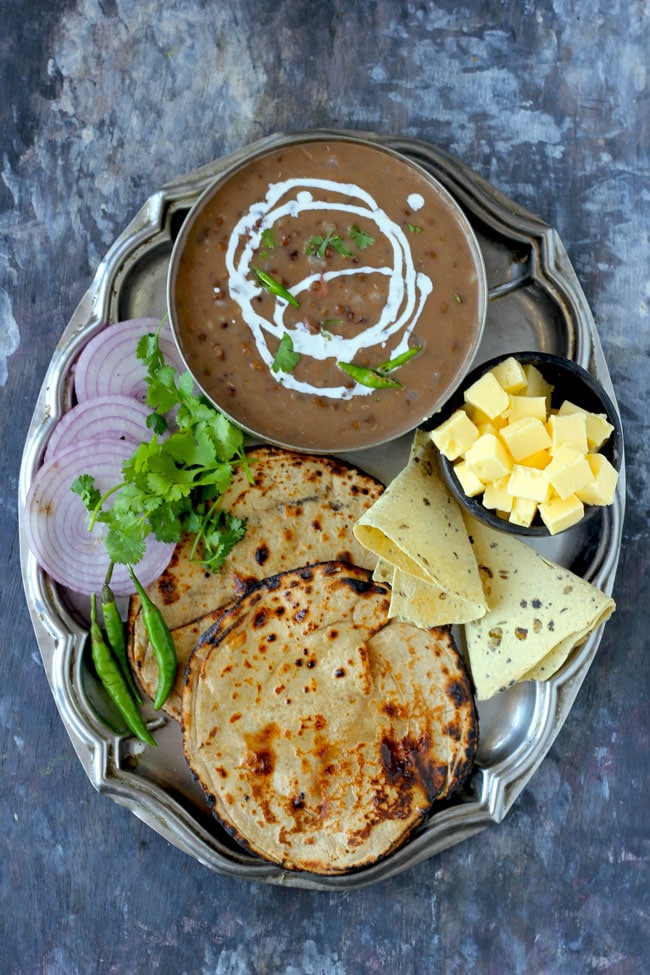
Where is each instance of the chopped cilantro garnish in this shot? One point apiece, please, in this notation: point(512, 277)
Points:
point(360, 237)
point(414, 229)
point(268, 242)
point(285, 358)
point(319, 246)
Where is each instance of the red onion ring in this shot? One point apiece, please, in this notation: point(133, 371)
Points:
point(108, 363)
point(111, 417)
point(56, 525)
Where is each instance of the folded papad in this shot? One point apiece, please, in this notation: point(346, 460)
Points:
point(300, 510)
point(417, 531)
point(320, 729)
point(539, 612)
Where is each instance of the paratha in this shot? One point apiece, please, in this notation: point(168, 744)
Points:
point(301, 509)
point(321, 730)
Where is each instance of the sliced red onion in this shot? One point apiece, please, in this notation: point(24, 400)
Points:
point(57, 521)
point(111, 417)
point(108, 363)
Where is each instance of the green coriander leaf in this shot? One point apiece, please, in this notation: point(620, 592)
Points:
point(228, 438)
point(166, 524)
point(148, 350)
point(360, 237)
point(319, 246)
point(268, 242)
point(414, 229)
point(124, 544)
point(84, 486)
point(157, 423)
point(285, 358)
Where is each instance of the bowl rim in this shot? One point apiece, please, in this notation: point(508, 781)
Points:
point(541, 359)
point(257, 152)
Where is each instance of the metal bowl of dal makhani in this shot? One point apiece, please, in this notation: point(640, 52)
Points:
point(327, 294)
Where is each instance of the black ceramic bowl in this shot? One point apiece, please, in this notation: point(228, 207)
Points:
point(570, 381)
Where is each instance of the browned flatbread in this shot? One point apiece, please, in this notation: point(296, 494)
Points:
point(300, 510)
point(320, 729)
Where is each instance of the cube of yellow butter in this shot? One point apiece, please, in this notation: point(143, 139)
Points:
point(510, 374)
point(470, 483)
point(521, 406)
point(488, 458)
point(536, 385)
point(523, 512)
point(529, 483)
point(454, 436)
point(603, 487)
point(570, 429)
point(525, 437)
point(599, 429)
point(487, 395)
point(540, 459)
point(496, 495)
point(561, 513)
point(568, 471)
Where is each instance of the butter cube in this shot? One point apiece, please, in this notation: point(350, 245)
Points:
point(570, 429)
point(605, 478)
point(521, 406)
point(536, 385)
point(525, 437)
point(540, 460)
point(488, 459)
point(470, 483)
point(561, 513)
point(523, 512)
point(568, 471)
point(488, 427)
point(529, 483)
point(599, 429)
point(487, 395)
point(454, 436)
point(510, 374)
point(496, 495)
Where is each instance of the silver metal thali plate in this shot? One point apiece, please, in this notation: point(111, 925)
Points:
point(535, 303)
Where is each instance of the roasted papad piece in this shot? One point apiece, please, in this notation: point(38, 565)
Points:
point(417, 531)
point(539, 612)
point(321, 730)
point(300, 509)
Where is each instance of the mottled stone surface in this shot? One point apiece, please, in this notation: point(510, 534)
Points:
point(102, 102)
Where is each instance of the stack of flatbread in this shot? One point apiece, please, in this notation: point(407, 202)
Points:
point(320, 728)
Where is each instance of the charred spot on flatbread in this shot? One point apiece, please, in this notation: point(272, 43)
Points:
point(320, 729)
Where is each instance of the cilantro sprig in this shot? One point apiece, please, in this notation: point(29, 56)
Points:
point(173, 483)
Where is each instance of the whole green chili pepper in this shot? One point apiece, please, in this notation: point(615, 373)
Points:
point(162, 644)
point(113, 682)
point(114, 627)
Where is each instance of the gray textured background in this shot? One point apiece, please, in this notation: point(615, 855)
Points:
point(102, 102)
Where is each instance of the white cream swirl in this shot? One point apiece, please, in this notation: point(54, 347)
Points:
point(407, 289)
